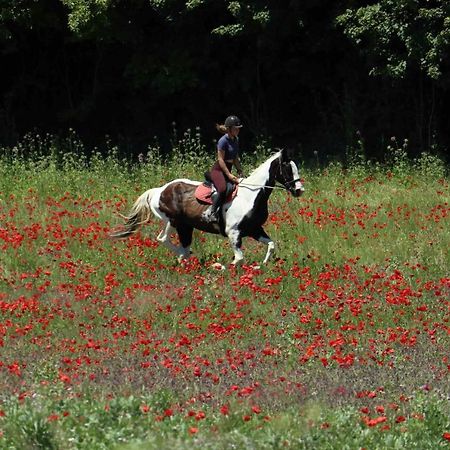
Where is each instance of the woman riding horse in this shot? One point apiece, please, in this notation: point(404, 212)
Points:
point(176, 205)
point(227, 157)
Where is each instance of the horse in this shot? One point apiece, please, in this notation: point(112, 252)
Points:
point(176, 205)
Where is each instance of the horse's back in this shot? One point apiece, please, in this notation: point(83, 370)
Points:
point(177, 199)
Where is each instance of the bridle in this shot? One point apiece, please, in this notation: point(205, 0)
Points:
point(286, 186)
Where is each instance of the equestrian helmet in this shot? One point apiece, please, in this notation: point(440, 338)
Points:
point(233, 121)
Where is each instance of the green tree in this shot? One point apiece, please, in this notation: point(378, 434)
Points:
point(297, 71)
point(395, 34)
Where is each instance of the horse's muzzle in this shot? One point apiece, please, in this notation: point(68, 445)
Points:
point(297, 192)
point(295, 187)
point(298, 189)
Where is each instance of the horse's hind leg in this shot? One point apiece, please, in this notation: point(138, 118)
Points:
point(185, 236)
point(164, 238)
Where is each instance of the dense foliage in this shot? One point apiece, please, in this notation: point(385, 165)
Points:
point(315, 75)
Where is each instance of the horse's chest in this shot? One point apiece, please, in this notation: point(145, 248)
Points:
point(252, 217)
point(260, 211)
point(259, 214)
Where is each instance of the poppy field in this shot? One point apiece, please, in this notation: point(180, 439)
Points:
point(341, 341)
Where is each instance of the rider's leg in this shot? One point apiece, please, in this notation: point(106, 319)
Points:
point(218, 178)
point(217, 203)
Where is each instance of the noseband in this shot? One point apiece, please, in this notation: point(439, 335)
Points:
point(286, 184)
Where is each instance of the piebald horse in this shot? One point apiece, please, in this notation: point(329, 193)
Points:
point(176, 205)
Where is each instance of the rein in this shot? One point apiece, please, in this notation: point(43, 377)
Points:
point(244, 184)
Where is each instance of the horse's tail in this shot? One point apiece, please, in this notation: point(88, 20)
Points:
point(139, 214)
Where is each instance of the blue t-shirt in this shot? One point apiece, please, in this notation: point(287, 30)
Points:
point(229, 146)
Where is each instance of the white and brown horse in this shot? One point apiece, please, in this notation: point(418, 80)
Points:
point(176, 205)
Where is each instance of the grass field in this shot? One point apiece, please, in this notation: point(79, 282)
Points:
point(342, 341)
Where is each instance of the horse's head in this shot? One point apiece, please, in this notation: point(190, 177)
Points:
point(288, 175)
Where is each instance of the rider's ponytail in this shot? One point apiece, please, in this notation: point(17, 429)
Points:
point(221, 128)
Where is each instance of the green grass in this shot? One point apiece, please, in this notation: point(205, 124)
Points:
point(340, 342)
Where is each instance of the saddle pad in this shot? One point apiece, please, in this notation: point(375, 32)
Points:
point(203, 194)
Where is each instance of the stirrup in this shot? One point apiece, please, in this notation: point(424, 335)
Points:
point(210, 216)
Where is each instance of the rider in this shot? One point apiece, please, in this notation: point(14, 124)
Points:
point(227, 156)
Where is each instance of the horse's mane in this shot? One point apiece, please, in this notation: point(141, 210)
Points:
point(262, 166)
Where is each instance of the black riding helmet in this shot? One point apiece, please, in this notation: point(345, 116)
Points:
point(233, 121)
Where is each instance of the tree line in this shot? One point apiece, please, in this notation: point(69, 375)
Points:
point(320, 76)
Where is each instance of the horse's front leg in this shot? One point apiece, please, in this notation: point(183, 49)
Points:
point(262, 236)
point(234, 236)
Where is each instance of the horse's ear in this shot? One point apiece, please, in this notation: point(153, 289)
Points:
point(287, 154)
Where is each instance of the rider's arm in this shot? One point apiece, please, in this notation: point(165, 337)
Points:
point(237, 164)
point(223, 166)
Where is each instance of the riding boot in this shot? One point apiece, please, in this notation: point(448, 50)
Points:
point(213, 212)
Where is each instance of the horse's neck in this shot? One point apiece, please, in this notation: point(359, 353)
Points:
point(261, 176)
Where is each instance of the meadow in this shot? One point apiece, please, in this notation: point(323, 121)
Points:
point(340, 342)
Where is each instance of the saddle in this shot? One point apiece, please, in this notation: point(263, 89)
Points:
point(206, 192)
